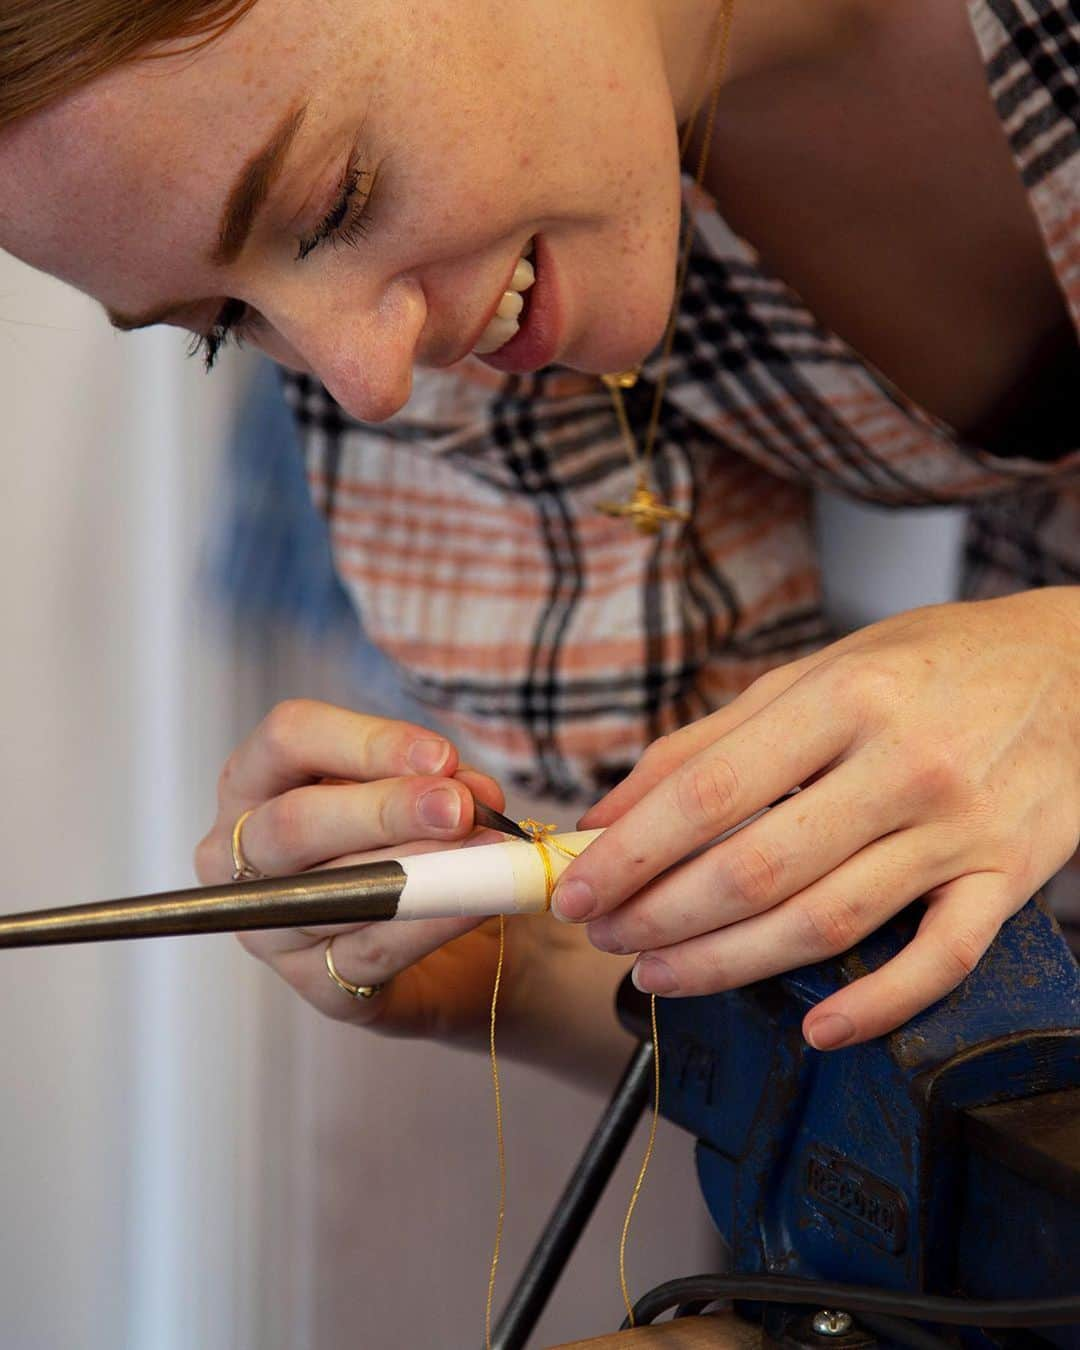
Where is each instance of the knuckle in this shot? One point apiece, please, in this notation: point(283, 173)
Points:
point(707, 792)
point(752, 876)
point(644, 935)
point(226, 778)
point(658, 749)
point(282, 728)
point(934, 773)
point(656, 756)
point(288, 825)
point(869, 688)
point(961, 952)
point(832, 927)
point(772, 681)
point(386, 814)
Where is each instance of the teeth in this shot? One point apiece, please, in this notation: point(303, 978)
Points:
point(511, 305)
point(497, 334)
point(505, 324)
point(524, 275)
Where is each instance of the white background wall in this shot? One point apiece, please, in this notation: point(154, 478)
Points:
point(188, 1156)
point(118, 1208)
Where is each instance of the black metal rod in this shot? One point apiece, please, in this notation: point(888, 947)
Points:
point(363, 893)
point(356, 894)
point(576, 1204)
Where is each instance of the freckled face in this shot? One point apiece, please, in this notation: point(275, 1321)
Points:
point(433, 142)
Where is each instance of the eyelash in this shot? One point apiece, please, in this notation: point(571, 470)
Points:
point(345, 223)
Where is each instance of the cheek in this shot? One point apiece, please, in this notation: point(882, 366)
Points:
point(622, 279)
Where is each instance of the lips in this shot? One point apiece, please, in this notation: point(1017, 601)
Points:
point(538, 342)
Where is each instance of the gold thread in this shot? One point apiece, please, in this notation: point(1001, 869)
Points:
point(541, 836)
point(645, 1163)
point(498, 1137)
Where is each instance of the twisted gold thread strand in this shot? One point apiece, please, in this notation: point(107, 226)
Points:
point(499, 1140)
point(541, 837)
point(645, 1163)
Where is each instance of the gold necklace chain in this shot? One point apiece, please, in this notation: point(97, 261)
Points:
point(644, 509)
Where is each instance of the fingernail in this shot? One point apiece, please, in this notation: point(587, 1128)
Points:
point(653, 976)
point(440, 808)
point(428, 756)
point(573, 901)
point(830, 1031)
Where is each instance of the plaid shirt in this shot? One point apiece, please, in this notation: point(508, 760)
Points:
point(555, 643)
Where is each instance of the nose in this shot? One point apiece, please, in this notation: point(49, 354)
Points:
point(361, 347)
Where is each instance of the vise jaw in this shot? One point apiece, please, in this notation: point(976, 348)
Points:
point(943, 1158)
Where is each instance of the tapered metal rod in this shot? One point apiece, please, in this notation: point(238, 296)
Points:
point(504, 878)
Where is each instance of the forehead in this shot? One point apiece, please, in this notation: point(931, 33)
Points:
point(99, 187)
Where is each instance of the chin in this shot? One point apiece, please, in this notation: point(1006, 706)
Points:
point(620, 344)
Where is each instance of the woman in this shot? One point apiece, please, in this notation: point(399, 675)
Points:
point(884, 301)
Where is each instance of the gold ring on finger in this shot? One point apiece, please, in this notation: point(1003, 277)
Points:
point(353, 990)
point(242, 869)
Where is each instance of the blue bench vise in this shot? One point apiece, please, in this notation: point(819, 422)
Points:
point(942, 1159)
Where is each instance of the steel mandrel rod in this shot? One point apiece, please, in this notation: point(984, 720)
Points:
point(504, 878)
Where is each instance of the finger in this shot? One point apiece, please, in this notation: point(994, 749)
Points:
point(483, 788)
point(309, 825)
point(717, 788)
point(826, 919)
point(961, 921)
point(782, 852)
point(373, 954)
point(666, 754)
point(301, 741)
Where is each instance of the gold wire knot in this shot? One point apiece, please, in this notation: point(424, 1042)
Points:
point(541, 835)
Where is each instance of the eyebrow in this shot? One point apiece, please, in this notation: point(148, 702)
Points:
point(252, 188)
point(242, 207)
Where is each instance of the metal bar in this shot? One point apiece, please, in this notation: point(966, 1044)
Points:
point(576, 1204)
point(356, 894)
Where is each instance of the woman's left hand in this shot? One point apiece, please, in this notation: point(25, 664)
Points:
point(938, 754)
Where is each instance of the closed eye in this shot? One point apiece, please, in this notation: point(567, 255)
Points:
point(347, 220)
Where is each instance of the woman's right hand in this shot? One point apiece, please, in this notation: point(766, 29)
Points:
point(326, 788)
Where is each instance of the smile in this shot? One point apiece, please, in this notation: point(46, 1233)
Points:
point(530, 335)
point(507, 321)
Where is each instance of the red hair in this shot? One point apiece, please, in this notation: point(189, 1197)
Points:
point(50, 48)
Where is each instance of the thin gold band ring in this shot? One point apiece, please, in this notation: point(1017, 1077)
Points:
point(242, 869)
point(353, 990)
